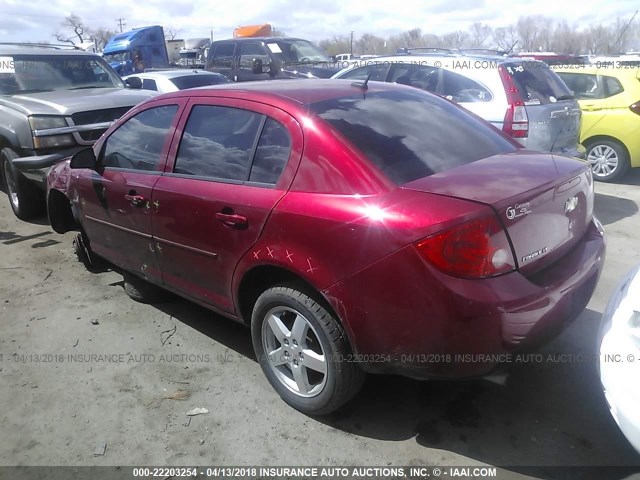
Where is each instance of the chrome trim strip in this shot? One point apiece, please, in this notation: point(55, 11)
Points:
point(117, 227)
point(186, 247)
point(72, 129)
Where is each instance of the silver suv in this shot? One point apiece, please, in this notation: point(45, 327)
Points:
point(521, 97)
point(53, 102)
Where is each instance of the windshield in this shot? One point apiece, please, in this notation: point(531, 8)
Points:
point(32, 73)
point(116, 57)
point(296, 51)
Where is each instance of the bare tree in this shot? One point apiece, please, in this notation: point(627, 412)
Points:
point(458, 39)
point(370, 44)
point(336, 45)
point(171, 33)
point(75, 24)
point(506, 38)
point(101, 36)
point(276, 32)
point(480, 33)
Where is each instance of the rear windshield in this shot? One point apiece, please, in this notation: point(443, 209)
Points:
point(537, 83)
point(410, 134)
point(193, 81)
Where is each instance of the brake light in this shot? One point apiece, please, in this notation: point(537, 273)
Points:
point(475, 249)
point(635, 108)
point(516, 121)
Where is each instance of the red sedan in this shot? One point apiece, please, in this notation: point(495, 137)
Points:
point(355, 227)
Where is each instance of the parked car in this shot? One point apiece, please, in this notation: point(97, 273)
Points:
point(620, 356)
point(356, 227)
point(525, 99)
point(268, 58)
point(552, 58)
point(53, 102)
point(166, 81)
point(610, 101)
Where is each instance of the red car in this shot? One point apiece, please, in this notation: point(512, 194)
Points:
point(355, 227)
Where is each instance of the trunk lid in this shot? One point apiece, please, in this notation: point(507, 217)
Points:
point(545, 202)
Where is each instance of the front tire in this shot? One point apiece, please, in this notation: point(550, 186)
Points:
point(303, 351)
point(609, 160)
point(25, 198)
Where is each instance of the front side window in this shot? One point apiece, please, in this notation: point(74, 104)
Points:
point(249, 51)
point(378, 72)
point(139, 142)
point(218, 143)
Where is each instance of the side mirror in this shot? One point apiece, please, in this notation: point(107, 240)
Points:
point(274, 68)
point(85, 158)
point(134, 82)
point(256, 66)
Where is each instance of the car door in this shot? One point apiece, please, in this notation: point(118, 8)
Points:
point(116, 199)
point(250, 51)
point(589, 91)
point(234, 162)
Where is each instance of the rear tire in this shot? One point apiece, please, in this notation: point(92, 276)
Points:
point(142, 291)
point(304, 351)
point(25, 198)
point(609, 160)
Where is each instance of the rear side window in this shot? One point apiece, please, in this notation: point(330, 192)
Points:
point(138, 143)
point(536, 82)
point(612, 86)
point(410, 134)
point(272, 153)
point(583, 85)
point(418, 76)
point(461, 89)
point(218, 143)
point(223, 55)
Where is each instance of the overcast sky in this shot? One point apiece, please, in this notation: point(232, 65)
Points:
point(38, 20)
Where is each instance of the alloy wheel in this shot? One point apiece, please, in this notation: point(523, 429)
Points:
point(604, 160)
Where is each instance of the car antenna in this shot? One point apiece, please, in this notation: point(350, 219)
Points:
point(362, 85)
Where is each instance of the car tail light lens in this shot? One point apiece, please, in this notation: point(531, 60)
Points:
point(516, 121)
point(635, 108)
point(475, 249)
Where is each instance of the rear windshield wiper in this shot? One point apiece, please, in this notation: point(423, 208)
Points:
point(565, 97)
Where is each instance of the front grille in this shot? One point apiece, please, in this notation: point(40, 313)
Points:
point(97, 116)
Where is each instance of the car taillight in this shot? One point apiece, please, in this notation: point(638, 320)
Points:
point(516, 121)
point(475, 249)
point(635, 108)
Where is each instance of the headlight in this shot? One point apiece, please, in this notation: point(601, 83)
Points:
point(44, 122)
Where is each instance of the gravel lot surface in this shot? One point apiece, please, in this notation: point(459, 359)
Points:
point(126, 404)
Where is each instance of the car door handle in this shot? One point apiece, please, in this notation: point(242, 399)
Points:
point(591, 108)
point(232, 220)
point(134, 198)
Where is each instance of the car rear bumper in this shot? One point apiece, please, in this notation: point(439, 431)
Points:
point(422, 323)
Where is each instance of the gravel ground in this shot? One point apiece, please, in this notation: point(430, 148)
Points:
point(126, 404)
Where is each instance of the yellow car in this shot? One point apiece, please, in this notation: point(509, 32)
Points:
point(609, 97)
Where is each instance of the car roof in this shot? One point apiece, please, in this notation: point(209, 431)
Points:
point(179, 72)
point(36, 49)
point(259, 39)
point(298, 91)
point(442, 58)
point(611, 71)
